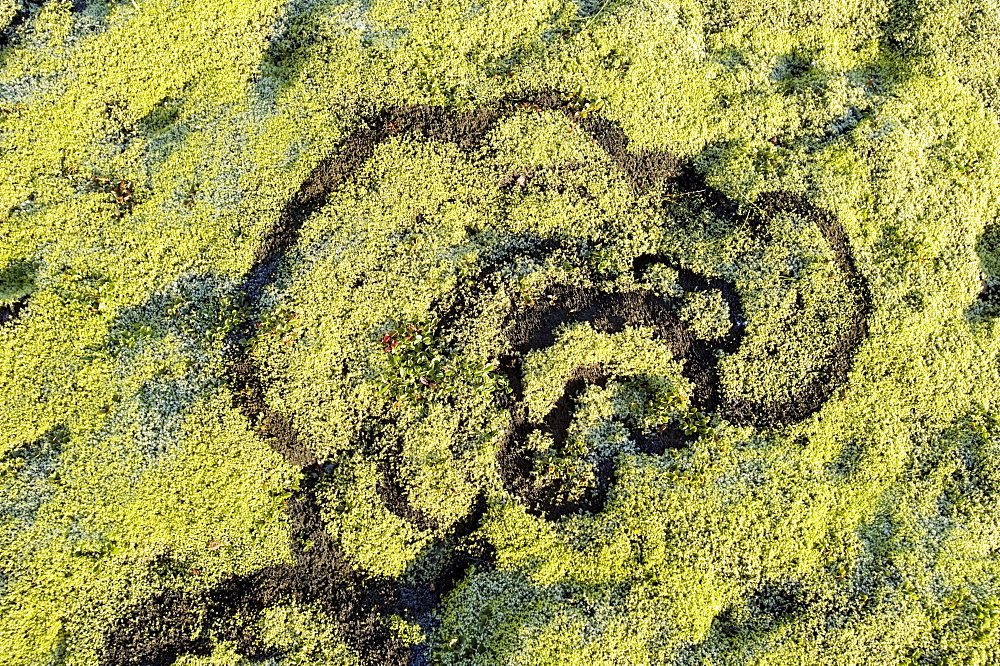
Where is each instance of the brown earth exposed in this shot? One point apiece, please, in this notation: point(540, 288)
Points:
point(10, 313)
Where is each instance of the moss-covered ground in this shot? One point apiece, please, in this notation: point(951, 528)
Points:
point(549, 332)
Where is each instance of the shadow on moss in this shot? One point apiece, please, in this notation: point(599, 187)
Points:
point(987, 303)
point(17, 282)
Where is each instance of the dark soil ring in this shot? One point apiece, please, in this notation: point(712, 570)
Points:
point(159, 629)
point(813, 394)
point(533, 328)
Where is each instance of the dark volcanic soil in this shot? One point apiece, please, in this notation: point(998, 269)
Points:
point(10, 313)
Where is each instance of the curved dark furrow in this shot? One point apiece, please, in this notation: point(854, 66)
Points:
point(156, 631)
point(170, 623)
point(392, 492)
point(160, 629)
point(534, 328)
point(816, 391)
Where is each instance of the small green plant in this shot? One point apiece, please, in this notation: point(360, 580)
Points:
point(675, 407)
point(987, 618)
point(17, 281)
point(601, 260)
point(572, 475)
point(280, 323)
point(232, 309)
point(80, 286)
point(121, 192)
point(433, 84)
point(422, 368)
point(131, 335)
point(580, 104)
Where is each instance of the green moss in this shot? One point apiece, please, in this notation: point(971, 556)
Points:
point(630, 354)
point(707, 314)
point(863, 535)
point(8, 9)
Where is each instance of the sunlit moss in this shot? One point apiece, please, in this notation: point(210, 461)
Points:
point(865, 534)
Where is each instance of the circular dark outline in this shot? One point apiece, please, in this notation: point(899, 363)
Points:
point(156, 631)
point(534, 328)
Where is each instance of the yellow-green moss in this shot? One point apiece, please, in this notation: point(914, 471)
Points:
point(875, 518)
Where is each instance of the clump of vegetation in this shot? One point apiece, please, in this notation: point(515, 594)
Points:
point(675, 408)
point(88, 288)
point(279, 323)
point(707, 314)
point(580, 104)
point(423, 368)
point(17, 281)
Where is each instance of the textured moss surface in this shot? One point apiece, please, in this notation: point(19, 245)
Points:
point(148, 147)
